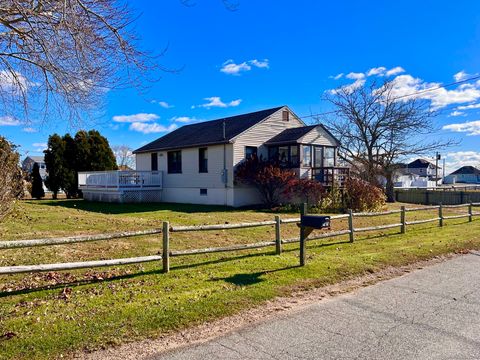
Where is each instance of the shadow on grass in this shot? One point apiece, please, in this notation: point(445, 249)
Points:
point(245, 279)
point(116, 208)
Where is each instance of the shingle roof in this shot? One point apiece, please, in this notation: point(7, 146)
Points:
point(37, 158)
point(467, 170)
point(291, 135)
point(420, 163)
point(207, 132)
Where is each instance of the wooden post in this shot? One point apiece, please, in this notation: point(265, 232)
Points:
point(440, 215)
point(166, 247)
point(278, 237)
point(350, 225)
point(470, 212)
point(303, 211)
point(403, 217)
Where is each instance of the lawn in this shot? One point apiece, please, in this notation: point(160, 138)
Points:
point(51, 315)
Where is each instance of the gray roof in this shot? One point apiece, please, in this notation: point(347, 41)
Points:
point(420, 163)
point(38, 159)
point(207, 132)
point(290, 135)
point(468, 170)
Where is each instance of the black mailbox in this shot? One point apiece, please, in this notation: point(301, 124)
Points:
point(315, 222)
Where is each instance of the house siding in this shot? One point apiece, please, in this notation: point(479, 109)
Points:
point(318, 136)
point(260, 133)
point(185, 187)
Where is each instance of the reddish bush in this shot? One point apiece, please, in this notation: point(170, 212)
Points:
point(269, 179)
point(305, 191)
point(360, 195)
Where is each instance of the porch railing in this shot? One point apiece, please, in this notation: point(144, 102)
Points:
point(119, 179)
point(329, 176)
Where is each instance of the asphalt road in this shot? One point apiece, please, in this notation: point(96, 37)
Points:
point(432, 313)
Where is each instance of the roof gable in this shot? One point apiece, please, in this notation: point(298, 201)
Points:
point(467, 170)
point(290, 135)
point(420, 163)
point(208, 132)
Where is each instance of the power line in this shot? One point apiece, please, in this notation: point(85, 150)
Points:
point(406, 95)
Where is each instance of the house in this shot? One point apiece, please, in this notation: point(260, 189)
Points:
point(27, 166)
point(196, 162)
point(465, 174)
point(418, 173)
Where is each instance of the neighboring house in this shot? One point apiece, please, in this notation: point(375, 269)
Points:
point(423, 168)
point(196, 163)
point(27, 166)
point(418, 173)
point(466, 175)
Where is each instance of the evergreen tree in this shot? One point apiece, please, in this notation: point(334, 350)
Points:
point(101, 156)
point(54, 162)
point(37, 183)
point(71, 162)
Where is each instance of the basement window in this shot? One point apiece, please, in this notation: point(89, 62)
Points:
point(203, 192)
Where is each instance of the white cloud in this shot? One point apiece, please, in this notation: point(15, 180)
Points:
point(29, 130)
point(336, 77)
point(394, 71)
point(355, 76)
point(229, 67)
point(151, 128)
point(40, 147)
point(14, 81)
point(260, 64)
point(350, 87)
point(472, 128)
point(216, 101)
point(184, 119)
point(377, 71)
point(468, 107)
point(455, 160)
point(457, 113)
point(163, 104)
point(140, 117)
point(9, 121)
point(461, 75)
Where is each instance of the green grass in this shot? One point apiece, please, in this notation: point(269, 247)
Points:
point(59, 313)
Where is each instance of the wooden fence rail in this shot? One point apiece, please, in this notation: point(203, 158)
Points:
point(167, 230)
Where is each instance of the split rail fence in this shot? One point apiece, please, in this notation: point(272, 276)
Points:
point(167, 230)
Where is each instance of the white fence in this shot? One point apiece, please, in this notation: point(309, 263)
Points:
point(119, 179)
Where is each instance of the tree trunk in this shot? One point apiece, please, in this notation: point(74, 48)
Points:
point(389, 189)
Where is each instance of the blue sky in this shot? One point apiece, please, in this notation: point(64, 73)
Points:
point(269, 53)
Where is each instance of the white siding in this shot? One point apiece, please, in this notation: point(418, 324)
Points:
point(261, 132)
point(143, 162)
point(318, 136)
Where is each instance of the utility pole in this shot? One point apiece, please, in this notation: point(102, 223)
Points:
point(437, 157)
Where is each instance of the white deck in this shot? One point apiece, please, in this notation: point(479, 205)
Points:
point(119, 180)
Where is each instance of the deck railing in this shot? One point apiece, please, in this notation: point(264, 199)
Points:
point(331, 175)
point(119, 179)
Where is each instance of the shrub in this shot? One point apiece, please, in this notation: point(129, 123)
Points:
point(305, 191)
point(37, 183)
point(360, 195)
point(11, 181)
point(268, 178)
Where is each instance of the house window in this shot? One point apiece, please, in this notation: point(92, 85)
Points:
point(286, 155)
point(285, 115)
point(329, 157)
point(203, 192)
point(154, 162)
point(250, 151)
point(203, 160)
point(175, 162)
point(307, 156)
point(318, 161)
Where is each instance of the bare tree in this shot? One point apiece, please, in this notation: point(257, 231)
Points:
point(124, 156)
point(377, 130)
point(11, 182)
point(65, 55)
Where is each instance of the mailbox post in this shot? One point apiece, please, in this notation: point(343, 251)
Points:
point(307, 224)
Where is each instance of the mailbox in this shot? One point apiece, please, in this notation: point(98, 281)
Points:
point(315, 222)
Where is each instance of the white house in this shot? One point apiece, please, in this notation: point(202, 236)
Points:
point(465, 174)
point(27, 166)
point(196, 163)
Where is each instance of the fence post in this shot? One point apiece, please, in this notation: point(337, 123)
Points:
point(470, 212)
point(166, 247)
point(303, 211)
point(403, 217)
point(440, 215)
point(278, 237)
point(350, 225)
